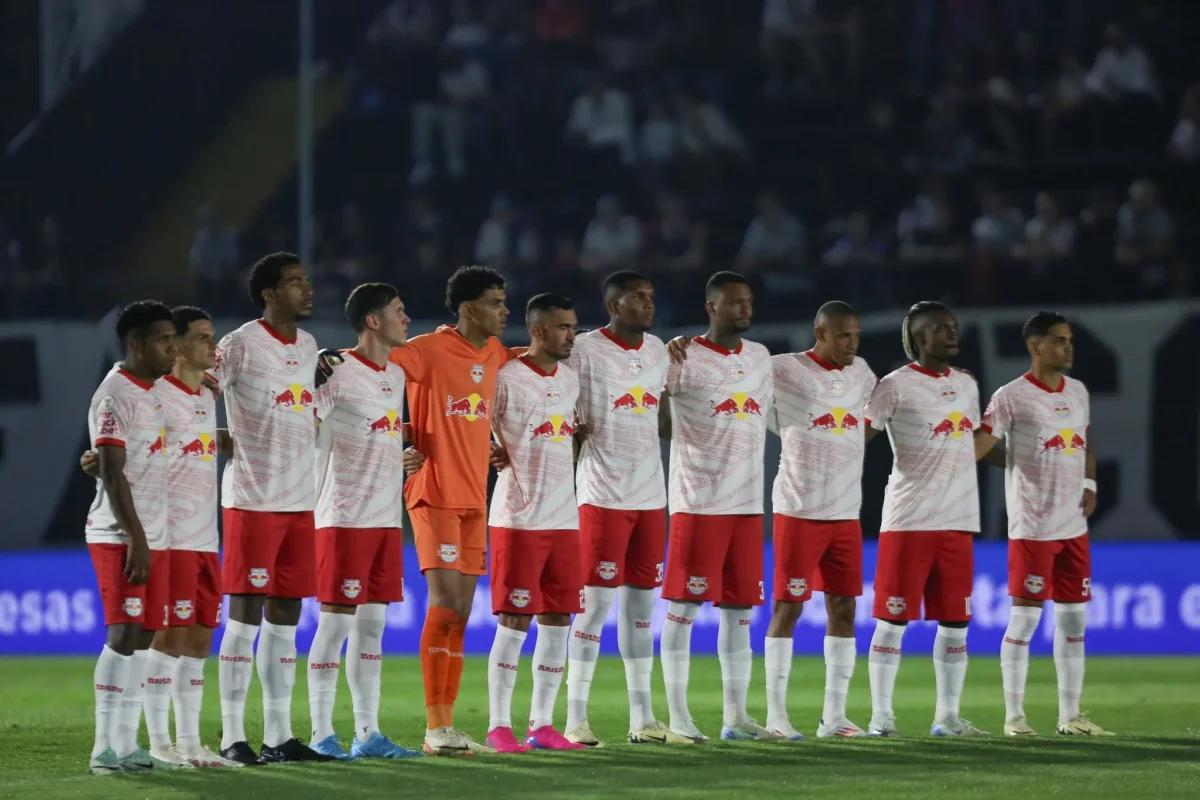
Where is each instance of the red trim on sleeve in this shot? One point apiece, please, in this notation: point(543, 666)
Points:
point(279, 336)
point(986, 428)
point(820, 362)
point(1062, 382)
point(107, 441)
point(612, 337)
point(538, 369)
point(929, 372)
point(716, 348)
point(368, 362)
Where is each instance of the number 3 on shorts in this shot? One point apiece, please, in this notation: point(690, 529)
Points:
point(658, 572)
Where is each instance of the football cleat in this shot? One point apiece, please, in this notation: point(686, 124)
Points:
point(839, 729)
point(241, 753)
point(657, 733)
point(955, 727)
point(1018, 727)
point(687, 729)
point(786, 731)
point(446, 741)
point(475, 747)
point(582, 734)
point(330, 746)
point(883, 726)
point(546, 738)
point(140, 760)
point(380, 746)
point(201, 756)
point(748, 731)
point(105, 763)
point(1082, 726)
point(503, 740)
point(293, 751)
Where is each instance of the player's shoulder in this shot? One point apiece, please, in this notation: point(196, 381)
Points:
point(900, 374)
point(653, 344)
point(755, 350)
point(959, 379)
point(305, 339)
point(567, 373)
point(861, 368)
point(1074, 386)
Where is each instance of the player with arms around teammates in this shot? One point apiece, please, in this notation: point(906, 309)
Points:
point(1050, 491)
point(820, 397)
point(268, 372)
point(360, 544)
point(720, 398)
point(930, 515)
point(622, 373)
point(126, 531)
point(534, 525)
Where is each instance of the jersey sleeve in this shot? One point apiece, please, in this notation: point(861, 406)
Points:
point(499, 405)
point(674, 374)
point(112, 417)
point(413, 359)
point(328, 395)
point(882, 404)
point(231, 354)
point(997, 419)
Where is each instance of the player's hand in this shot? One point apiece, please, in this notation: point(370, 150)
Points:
point(137, 563)
point(212, 383)
point(498, 458)
point(677, 349)
point(89, 462)
point(582, 430)
point(224, 442)
point(413, 459)
point(327, 359)
point(1088, 503)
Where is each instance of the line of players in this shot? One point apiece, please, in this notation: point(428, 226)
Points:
point(550, 557)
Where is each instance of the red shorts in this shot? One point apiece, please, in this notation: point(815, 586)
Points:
point(269, 552)
point(817, 555)
point(195, 594)
point(937, 566)
point(1060, 571)
point(360, 565)
point(715, 558)
point(623, 547)
point(536, 572)
point(145, 605)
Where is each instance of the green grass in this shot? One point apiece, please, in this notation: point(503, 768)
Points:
point(1154, 704)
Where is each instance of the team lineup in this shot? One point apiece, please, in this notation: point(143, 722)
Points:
point(321, 465)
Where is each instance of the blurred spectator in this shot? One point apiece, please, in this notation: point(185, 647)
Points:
point(658, 143)
point(1122, 68)
point(793, 31)
point(463, 87)
point(562, 30)
point(505, 239)
point(709, 144)
point(1098, 226)
point(212, 259)
point(467, 32)
point(601, 122)
point(1049, 236)
point(1000, 227)
point(626, 31)
point(673, 242)
point(858, 245)
point(565, 257)
point(402, 55)
point(1066, 118)
point(1145, 230)
point(421, 234)
point(612, 241)
point(1185, 138)
point(403, 25)
point(355, 256)
point(930, 235)
point(776, 239)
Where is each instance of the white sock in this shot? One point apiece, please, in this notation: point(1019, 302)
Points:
point(637, 651)
point(1070, 622)
point(110, 679)
point(324, 661)
point(364, 667)
point(131, 704)
point(882, 665)
point(187, 693)
point(778, 659)
point(160, 674)
point(502, 675)
point(675, 652)
point(549, 662)
point(1014, 658)
point(735, 655)
point(583, 648)
point(235, 667)
point(839, 669)
point(949, 671)
point(277, 673)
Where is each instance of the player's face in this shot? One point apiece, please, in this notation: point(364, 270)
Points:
point(840, 337)
point(393, 323)
point(635, 306)
point(557, 332)
point(733, 308)
point(490, 311)
point(1056, 349)
point(157, 350)
point(198, 347)
point(941, 336)
point(294, 294)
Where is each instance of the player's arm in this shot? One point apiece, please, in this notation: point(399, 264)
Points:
point(997, 419)
point(1088, 502)
point(985, 445)
point(677, 349)
point(413, 359)
point(89, 464)
point(111, 460)
point(881, 405)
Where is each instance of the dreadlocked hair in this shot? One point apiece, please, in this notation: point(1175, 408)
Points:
point(906, 337)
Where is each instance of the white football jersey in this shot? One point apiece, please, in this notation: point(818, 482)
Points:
point(720, 402)
point(821, 419)
point(360, 446)
point(125, 412)
point(534, 419)
point(191, 423)
point(267, 383)
point(930, 419)
point(620, 389)
point(1045, 432)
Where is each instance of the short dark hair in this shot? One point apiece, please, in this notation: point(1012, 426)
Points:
point(546, 302)
point(135, 319)
point(1041, 323)
point(722, 279)
point(184, 316)
point(470, 283)
point(918, 310)
point(836, 308)
point(267, 272)
point(367, 299)
point(620, 281)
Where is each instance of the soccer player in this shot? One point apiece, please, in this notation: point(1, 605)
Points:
point(930, 515)
point(360, 541)
point(450, 377)
point(720, 398)
point(1050, 491)
point(534, 520)
point(622, 373)
point(126, 530)
point(267, 370)
point(820, 396)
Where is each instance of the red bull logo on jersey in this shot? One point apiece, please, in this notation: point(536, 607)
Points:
point(389, 425)
point(736, 373)
point(954, 426)
point(448, 553)
point(519, 598)
point(837, 421)
point(635, 366)
point(1066, 442)
point(352, 588)
point(948, 393)
point(552, 395)
point(472, 407)
point(1061, 408)
point(259, 577)
point(607, 570)
point(294, 398)
point(637, 400)
point(896, 606)
point(200, 411)
point(203, 447)
point(386, 388)
point(477, 373)
point(159, 446)
point(556, 429)
point(183, 609)
point(797, 586)
point(697, 584)
point(739, 405)
point(1034, 584)
point(133, 606)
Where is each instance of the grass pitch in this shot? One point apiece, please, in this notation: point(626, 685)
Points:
point(46, 726)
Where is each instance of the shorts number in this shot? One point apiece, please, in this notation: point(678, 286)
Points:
point(167, 614)
point(582, 603)
point(967, 606)
point(1087, 587)
point(761, 594)
point(658, 572)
